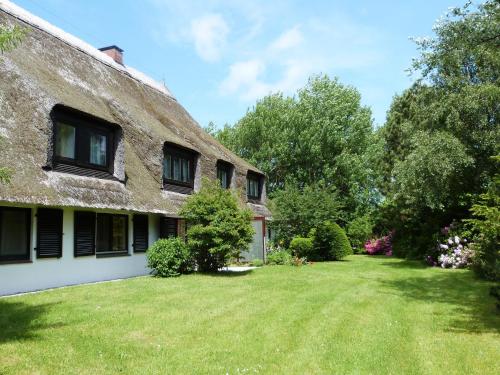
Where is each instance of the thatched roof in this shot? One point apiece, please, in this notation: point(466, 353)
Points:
point(48, 69)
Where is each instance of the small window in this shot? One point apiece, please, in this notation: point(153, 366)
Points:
point(178, 169)
point(224, 174)
point(15, 229)
point(111, 234)
point(254, 186)
point(82, 143)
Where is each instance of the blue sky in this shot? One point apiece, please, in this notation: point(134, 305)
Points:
point(219, 56)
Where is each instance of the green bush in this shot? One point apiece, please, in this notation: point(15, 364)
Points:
point(169, 257)
point(359, 231)
point(279, 257)
point(220, 226)
point(302, 247)
point(330, 242)
point(257, 262)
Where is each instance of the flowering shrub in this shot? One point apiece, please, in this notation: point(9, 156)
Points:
point(453, 254)
point(379, 246)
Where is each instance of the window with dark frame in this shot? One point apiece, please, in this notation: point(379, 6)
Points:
point(224, 174)
point(254, 186)
point(178, 169)
point(82, 142)
point(15, 231)
point(100, 234)
point(168, 227)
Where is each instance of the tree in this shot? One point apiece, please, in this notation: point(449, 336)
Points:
point(321, 135)
point(440, 134)
point(219, 227)
point(297, 211)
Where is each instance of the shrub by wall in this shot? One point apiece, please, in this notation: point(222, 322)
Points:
point(302, 247)
point(169, 257)
point(279, 257)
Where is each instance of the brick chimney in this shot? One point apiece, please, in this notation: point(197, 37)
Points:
point(115, 52)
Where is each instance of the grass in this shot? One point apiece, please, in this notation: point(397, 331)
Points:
point(366, 315)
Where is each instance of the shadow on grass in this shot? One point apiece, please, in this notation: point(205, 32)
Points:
point(403, 263)
point(20, 321)
point(469, 306)
point(224, 273)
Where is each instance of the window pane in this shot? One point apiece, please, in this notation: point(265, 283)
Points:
point(119, 233)
point(185, 170)
point(14, 234)
point(167, 167)
point(223, 178)
point(103, 236)
point(65, 141)
point(177, 169)
point(98, 149)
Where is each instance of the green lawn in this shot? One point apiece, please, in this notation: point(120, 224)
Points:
point(366, 315)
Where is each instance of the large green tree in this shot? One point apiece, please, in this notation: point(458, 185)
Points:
point(440, 134)
point(319, 136)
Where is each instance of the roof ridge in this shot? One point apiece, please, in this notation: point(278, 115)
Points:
point(75, 42)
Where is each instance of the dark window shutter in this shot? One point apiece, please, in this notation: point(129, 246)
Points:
point(49, 233)
point(141, 233)
point(84, 233)
point(168, 227)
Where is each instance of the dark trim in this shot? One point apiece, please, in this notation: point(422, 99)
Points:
point(112, 254)
point(91, 235)
point(111, 47)
point(50, 226)
point(82, 121)
point(168, 227)
point(15, 262)
point(26, 257)
point(140, 235)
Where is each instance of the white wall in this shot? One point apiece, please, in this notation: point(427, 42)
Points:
point(256, 248)
point(68, 270)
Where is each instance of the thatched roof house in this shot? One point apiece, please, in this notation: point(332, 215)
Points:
point(53, 78)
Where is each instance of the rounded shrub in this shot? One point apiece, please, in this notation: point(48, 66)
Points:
point(279, 257)
point(302, 247)
point(330, 242)
point(169, 257)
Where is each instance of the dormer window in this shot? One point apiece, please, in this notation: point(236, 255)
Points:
point(83, 144)
point(179, 166)
point(254, 186)
point(224, 173)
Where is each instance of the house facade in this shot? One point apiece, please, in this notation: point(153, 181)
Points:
point(102, 159)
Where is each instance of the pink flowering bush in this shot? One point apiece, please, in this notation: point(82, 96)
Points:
point(380, 246)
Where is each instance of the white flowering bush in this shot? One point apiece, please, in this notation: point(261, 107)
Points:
point(455, 253)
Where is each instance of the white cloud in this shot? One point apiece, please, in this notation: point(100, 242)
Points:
point(289, 39)
point(209, 34)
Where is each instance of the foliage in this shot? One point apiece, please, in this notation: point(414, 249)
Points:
point(296, 211)
point(301, 247)
point(169, 257)
point(380, 246)
point(440, 133)
point(330, 242)
point(279, 256)
point(219, 227)
point(486, 226)
point(358, 231)
point(320, 135)
point(10, 37)
point(257, 262)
